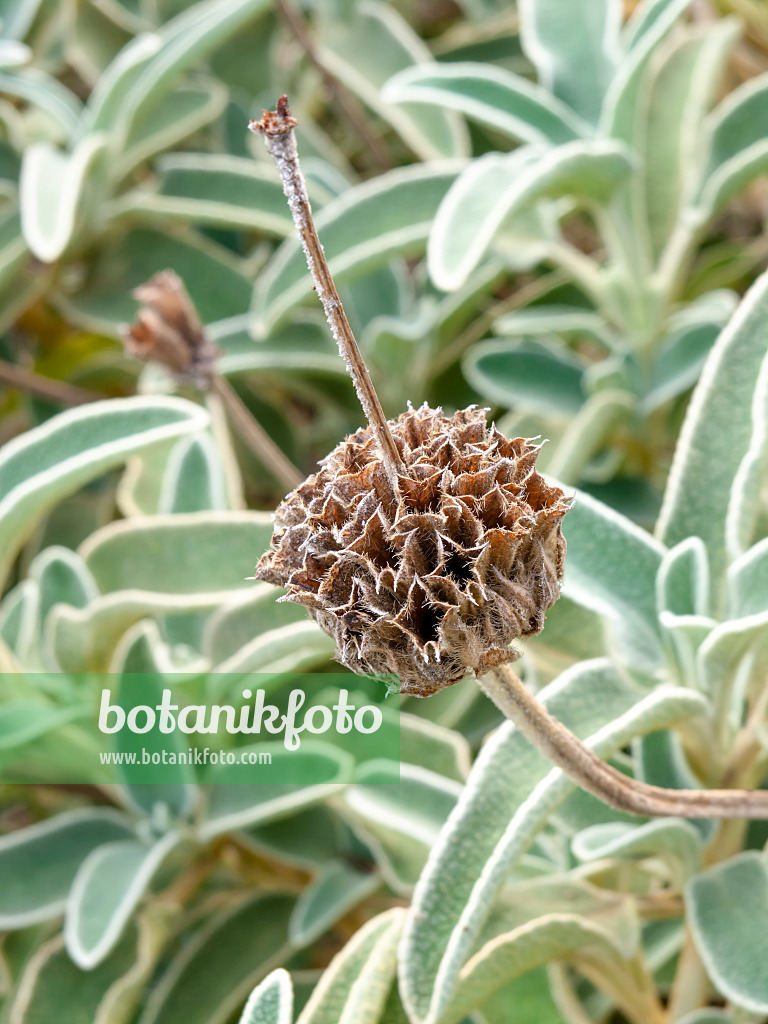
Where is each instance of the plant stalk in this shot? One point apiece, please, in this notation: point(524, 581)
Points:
point(592, 774)
point(277, 129)
point(254, 435)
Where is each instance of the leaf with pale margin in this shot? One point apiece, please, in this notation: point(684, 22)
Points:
point(362, 229)
point(368, 43)
point(185, 553)
point(338, 888)
point(527, 374)
point(612, 566)
point(682, 585)
point(745, 503)
point(52, 189)
point(716, 434)
point(71, 449)
point(727, 909)
point(676, 841)
point(319, 772)
point(194, 478)
point(355, 986)
point(509, 796)
point(271, 1002)
point(652, 23)
point(504, 101)
point(107, 888)
point(216, 969)
point(206, 188)
point(574, 48)
point(496, 186)
point(39, 863)
point(738, 151)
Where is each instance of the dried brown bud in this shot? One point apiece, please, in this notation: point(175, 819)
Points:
point(168, 331)
point(434, 582)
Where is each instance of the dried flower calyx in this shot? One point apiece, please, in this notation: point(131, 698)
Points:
point(438, 579)
point(167, 330)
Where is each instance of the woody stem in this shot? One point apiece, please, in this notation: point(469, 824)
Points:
point(592, 774)
point(277, 130)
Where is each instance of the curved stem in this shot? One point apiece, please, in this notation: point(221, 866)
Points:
point(592, 774)
point(277, 129)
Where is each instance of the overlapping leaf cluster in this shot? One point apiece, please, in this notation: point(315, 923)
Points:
point(580, 284)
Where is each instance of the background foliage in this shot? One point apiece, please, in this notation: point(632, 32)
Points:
point(554, 210)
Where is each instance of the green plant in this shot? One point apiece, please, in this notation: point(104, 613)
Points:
point(624, 136)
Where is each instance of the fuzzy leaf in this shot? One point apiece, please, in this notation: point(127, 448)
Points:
point(575, 49)
point(336, 890)
point(495, 187)
point(507, 800)
point(362, 229)
point(716, 434)
point(38, 863)
point(504, 101)
point(53, 460)
point(728, 907)
point(105, 892)
point(271, 1002)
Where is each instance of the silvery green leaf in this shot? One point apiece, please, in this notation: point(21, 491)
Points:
point(727, 909)
point(290, 648)
point(24, 720)
point(509, 796)
point(105, 892)
point(63, 578)
point(575, 49)
point(527, 374)
point(496, 186)
point(556, 319)
point(71, 449)
point(442, 750)
point(738, 152)
point(51, 982)
point(676, 841)
point(601, 544)
point(233, 805)
point(541, 921)
point(720, 655)
point(54, 193)
point(338, 888)
point(710, 1015)
point(16, 16)
point(271, 1002)
point(217, 967)
point(746, 492)
point(716, 434)
point(682, 86)
point(748, 582)
point(682, 584)
point(600, 418)
point(212, 276)
point(367, 43)
point(185, 553)
point(186, 40)
point(246, 616)
point(206, 188)
point(13, 53)
point(493, 96)
point(355, 986)
point(302, 345)
point(46, 92)
point(678, 363)
point(362, 229)
point(38, 863)
point(194, 478)
point(102, 111)
point(14, 251)
point(20, 619)
point(651, 24)
point(399, 810)
point(184, 112)
point(140, 659)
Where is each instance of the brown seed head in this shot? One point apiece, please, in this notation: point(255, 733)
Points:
point(167, 330)
point(435, 582)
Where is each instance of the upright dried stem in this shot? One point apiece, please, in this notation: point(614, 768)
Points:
point(586, 769)
point(277, 129)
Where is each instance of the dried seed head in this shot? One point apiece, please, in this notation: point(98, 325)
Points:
point(441, 579)
point(168, 331)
